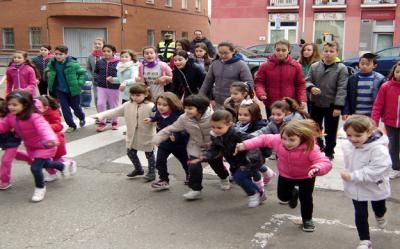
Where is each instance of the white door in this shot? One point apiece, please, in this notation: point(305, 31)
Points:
point(383, 40)
point(284, 32)
point(80, 41)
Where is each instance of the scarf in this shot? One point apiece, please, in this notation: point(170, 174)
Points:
point(96, 53)
point(242, 127)
point(150, 64)
point(123, 66)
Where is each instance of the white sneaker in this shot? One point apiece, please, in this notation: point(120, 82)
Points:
point(38, 194)
point(381, 222)
point(49, 178)
point(192, 195)
point(254, 200)
point(225, 184)
point(69, 168)
point(394, 174)
point(365, 244)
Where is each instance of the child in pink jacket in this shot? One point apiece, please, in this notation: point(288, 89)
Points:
point(39, 139)
point(22, 74)
point(299, 161)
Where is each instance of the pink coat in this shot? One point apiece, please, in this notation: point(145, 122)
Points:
point(387, 104)
point(34, 131)
point(277, 80)
point(21, 78)
point(293, 164)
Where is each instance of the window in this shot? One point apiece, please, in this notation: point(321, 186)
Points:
point(150, 37)
point(35, 37)
point(184, 4)
point(8, 38)
point(150, 1)
point(168, 3)
point(185, 35)
point(197, 5)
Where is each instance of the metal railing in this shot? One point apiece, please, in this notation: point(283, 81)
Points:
point(379, 1)
point(85, 1)
point(329, 2)
point(277, 3)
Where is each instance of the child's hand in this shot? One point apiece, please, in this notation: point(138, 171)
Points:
point(346, 175)
point(52, 143)
point(336, 113)
point(345, 117)
point(147, 120)
point(315, 91)
point(264, 97)
point(194, 161)
point(172, 137)
point(312, 172)
point(163, 80)
point(122, 87)
point(239, 147)
point(109, 79)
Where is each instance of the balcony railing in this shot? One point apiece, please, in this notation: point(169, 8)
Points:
point(85, 1)
point(329, 2)
point(378, 3)
point(283, 4)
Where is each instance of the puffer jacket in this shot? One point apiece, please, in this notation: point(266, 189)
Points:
point(21, 77)
point(53, 117)
point(387, 104)
point(34, 131)
point(126, 74)
point(105, 68)
point(225, 146)
point(295, 163)
point(274, 128)
point(370, 166)
point(198, 130)
point(277, 80)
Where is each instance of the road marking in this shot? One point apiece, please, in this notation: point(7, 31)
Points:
point(270, 228)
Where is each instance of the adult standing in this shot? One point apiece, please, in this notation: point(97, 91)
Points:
point(166, 48)
point(187, 77)
point(281, 76)
point(97, 54)
point(225, 70)
point(40, 63)
point(198, 37)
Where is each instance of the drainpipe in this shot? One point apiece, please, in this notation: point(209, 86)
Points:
point(304, 18)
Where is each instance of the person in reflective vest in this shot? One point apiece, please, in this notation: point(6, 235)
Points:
point(166, 48)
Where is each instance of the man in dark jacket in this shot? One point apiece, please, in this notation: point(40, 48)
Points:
point(198, 37)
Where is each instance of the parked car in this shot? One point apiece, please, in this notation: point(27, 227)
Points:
point(386, 58)
point(266, 50)
point(253, 60)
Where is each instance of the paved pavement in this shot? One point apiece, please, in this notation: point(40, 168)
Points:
point(100, 208)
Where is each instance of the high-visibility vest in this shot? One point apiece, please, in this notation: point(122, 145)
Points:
point(166, 52)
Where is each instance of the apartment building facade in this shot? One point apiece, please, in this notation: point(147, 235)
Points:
point(357, 25)
point(134, 24)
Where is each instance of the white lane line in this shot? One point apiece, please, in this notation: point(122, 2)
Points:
point(270, 228)
point(93, 142)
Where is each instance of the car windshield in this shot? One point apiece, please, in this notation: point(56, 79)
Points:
point(246, 52)
point(389, 52)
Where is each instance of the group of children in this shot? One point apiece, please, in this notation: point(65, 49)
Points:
point(194, 133)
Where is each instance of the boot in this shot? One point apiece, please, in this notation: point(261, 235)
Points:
point(151, 174)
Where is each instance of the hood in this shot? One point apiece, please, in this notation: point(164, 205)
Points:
point(377, 138)
point(393, 83)
point(235, 58)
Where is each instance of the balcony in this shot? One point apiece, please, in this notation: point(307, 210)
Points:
point(329, 4)
point(100, 8)
point(378, 4)
point(283, 4)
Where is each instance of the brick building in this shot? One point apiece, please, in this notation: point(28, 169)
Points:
point(25, 25)
point(357, 25)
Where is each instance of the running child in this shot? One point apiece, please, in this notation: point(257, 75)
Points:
point(366, 173)
point(299, 162)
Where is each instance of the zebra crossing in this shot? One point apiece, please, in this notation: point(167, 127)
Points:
point(75, 148)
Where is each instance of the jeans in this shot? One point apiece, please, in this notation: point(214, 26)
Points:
point(394, 146)
point(6, 162)
point(161, 162)
point(67, 102)
point(361, 215)
point(323, 117)
point(107, 99)
point(306, 188)
point(243, 177)
point(196, 172)
point(37, 169)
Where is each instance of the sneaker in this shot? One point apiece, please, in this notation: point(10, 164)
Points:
point(254, 200)
point(38, 194)
point(114, 126)
point(294, 198)
point(82, 123)
point(69, 168)
point(101, 127)
point(394, 174)
point(365, 244)
point(50, 177)
point(160, 185)
point(70, 129)
point(5, 185)
point(135, 173)
point(283, 202)
point(149, 177)
point(225, 184)
point(308, 226)
point(381, 222)
point(267, 175)
point(192, 195)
